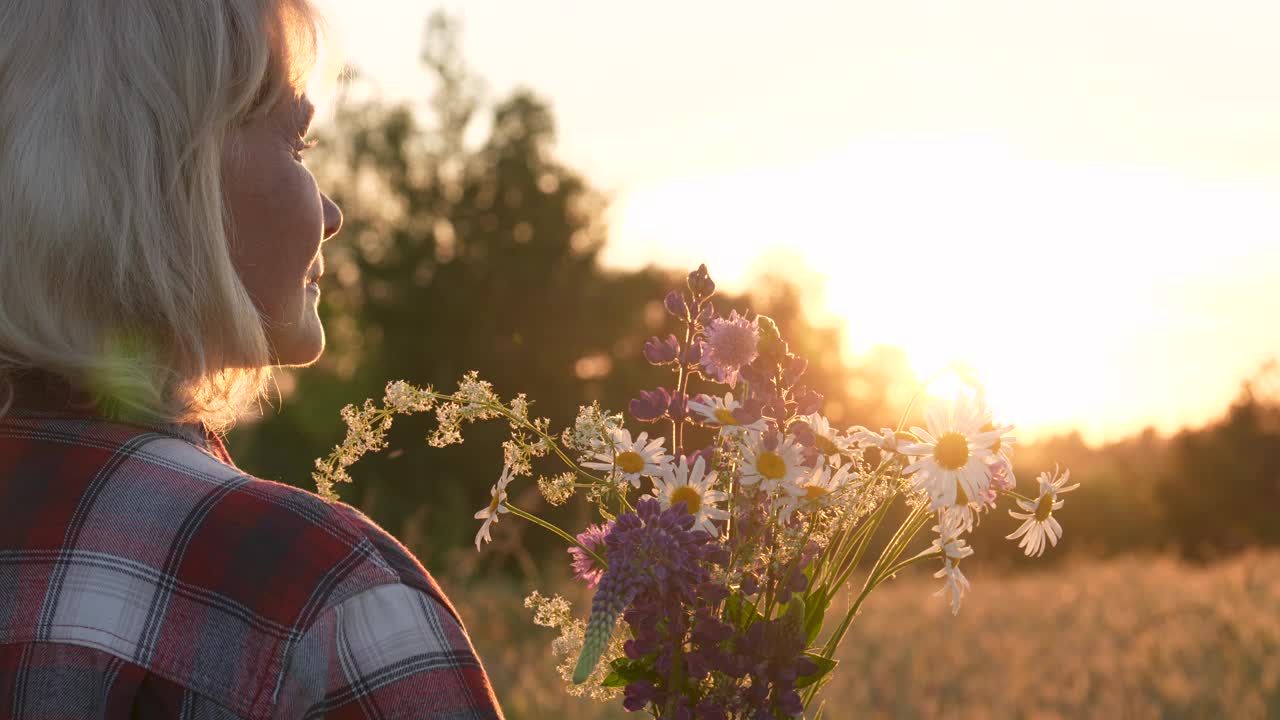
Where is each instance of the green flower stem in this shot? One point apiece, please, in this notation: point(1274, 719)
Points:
point(867, 531)
point(1016, 495)
point(847, 536)
point(555, 529)
point(930, 553)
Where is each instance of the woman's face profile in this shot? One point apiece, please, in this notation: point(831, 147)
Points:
point(279, 218)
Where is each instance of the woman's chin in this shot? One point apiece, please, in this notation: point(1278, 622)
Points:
point(302, 349)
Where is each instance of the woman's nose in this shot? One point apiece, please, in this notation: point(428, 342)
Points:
point(332, 217)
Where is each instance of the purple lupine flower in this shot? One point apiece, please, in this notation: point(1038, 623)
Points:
point(661, 352)
point(585, 567)
point(692, 354)
point(792, 369)
point(700, 283)
point(651, 405)
point(675, 304)
point(808, 401)
point(730, 345)
point(678, 408)
point(706, 312)
point(651, 550)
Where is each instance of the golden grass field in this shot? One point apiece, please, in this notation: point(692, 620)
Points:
point(1129, 638)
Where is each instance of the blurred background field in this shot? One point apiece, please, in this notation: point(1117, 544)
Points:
point(1107, 264)
point(1139, 637)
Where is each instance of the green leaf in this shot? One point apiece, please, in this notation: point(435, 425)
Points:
point(815, 611)
point(825, 665)
point(626, 671)
point(741, 611)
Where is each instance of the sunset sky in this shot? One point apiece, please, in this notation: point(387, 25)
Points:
point(1080, 200)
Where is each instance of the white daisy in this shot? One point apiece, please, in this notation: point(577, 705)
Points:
point(718, 412)
point(497, 506)
point(771, 461)
point(1038, 522)
point(814, 490)
point(679, 483)
point(953, 549)
point(955, 455)
point(628, 459)
point(828, 442)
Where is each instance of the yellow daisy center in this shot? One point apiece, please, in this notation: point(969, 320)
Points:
point(988, 427)
point(952, 451)
point(814, 492)
point(825, 445)
point(493, 504)
point(771, 465)
point(725, 417)
point(629, 462)
point(1044, 508)
point(690, 496)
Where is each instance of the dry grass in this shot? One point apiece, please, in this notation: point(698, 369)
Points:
point(1128, 638)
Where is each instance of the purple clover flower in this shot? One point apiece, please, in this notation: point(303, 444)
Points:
point(730, 345)
point(585, 567)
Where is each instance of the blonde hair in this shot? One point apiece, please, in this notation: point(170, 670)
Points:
point(115, 271)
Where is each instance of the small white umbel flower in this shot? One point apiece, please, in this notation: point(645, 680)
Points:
point(1038, 523)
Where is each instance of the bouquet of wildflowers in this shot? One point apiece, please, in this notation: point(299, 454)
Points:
point(721, 560)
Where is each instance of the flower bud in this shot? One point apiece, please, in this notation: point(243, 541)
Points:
point(678, 407)
point(700, 283)
point(772, 345)
point(706, 311)
point(792, 369)
point(674, 303)
point(661, 352)
point(651, 405)
point(808, 401)
point(692, 355)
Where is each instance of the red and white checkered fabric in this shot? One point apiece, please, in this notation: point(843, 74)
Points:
point(143, 575)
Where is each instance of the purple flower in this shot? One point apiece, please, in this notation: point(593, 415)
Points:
point(651, 405)
point(808, 401)
point(730, 344)
point(675, 304)
point(792, 369)
point(700, 283)
point(653, 551)
point(661, 352)
point(585, 567)
point(692, 355)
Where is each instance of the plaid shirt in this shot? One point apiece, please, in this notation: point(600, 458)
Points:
point(142, 575)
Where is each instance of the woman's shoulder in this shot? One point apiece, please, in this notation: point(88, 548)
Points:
point(207, 553)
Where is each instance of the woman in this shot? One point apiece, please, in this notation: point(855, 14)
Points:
point(159, 253)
